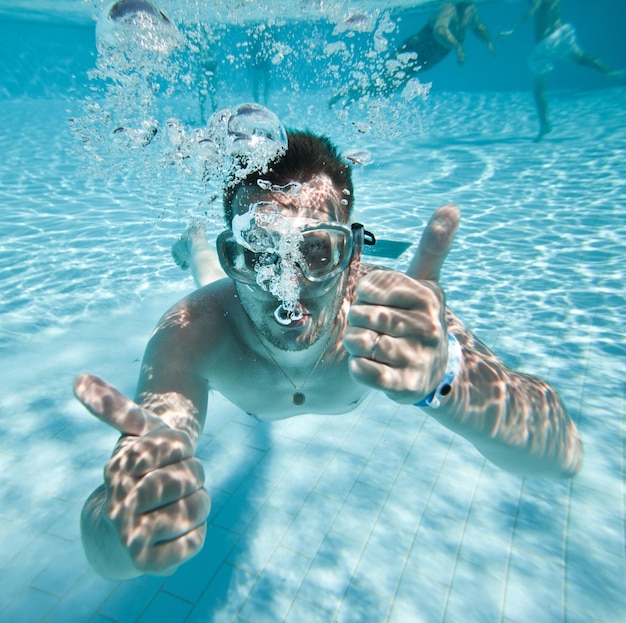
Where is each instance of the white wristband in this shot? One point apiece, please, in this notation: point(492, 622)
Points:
point(455, 355)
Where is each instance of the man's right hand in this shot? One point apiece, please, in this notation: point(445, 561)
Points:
point(154, 495)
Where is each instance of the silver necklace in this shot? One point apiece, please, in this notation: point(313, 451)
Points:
point(298, 397)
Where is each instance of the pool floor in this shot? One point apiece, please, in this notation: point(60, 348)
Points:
point(377, 515)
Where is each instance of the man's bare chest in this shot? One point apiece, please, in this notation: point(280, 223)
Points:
point(270, 392)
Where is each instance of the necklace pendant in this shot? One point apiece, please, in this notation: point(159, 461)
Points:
point(298, 398)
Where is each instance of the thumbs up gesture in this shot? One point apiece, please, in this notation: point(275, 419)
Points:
point(397, 336)
point(154, 497)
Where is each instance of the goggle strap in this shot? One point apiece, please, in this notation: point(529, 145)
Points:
point(361, 236)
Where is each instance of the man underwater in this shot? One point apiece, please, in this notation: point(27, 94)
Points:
point(300, 325)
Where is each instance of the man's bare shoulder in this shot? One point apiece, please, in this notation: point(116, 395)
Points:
point(218, 294)
point(202, 315)
point(194, 337)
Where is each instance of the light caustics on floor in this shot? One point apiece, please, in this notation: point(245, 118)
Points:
point(378, 515)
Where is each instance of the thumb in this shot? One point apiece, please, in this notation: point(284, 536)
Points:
point(113, 408)
point(435, 243)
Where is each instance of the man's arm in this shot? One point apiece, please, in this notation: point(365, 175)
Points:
point(515, 420)
point(150, 514)
point(534, 5)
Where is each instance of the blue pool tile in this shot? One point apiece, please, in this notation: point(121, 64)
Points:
point(419, 599)
point(498, 489)
point(339, 475)
point(55, 509)
point(595, 582)
point(328, 576)
point(454, 492)
point(129, 599)
point(363, 437)
point(290, 493)
point(383, 466)
point(383, 546)
point(243, 505)
point(287, 568)
point(335, 432)
point(310, 525)
point(319, 451)
point(603, 512)
point(257, 546)
point(12, 581)
point(282, 457)
point(192, 578)
point(302, 429)
point(534, 588)
point(31, 605)
point(435, 550)
point(28, 562)
point(540, 526)
point(360, 605)
point(382, 410)
point(288, 497)
point(235, 469)
point(487, 539)
point(475, 595)
point(267, 602)
point(223, 596)
point(403, 428)
point(82, 601)
point(600, 474)
point(358, 515)
point(426, 456)
point(165, 607)
point(64, 571)
point(67, 525)
point(405, 503)
point(302, 610)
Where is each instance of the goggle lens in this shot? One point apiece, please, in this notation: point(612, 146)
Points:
point(324, 252)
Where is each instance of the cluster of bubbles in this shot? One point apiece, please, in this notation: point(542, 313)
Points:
point(147, 58)
point(240, 140)
point(144, 57)
point(140, 56)
point(135, 43)
point(141, 59)
point(265, 231)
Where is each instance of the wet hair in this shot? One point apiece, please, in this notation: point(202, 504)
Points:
point(307, 155)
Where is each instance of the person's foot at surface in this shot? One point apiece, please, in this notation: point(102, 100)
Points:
point(181, 249)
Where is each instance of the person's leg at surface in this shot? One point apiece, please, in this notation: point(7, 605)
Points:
point(586, 60)
point(540, 64)
point(541, 102)
point(193, 251)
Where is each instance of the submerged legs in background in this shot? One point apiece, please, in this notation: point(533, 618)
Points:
point(541, 102)
point(192, 250)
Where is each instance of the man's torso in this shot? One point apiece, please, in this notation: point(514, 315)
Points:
point(227, 352)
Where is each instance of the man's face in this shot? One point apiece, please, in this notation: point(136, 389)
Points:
point(318, 303)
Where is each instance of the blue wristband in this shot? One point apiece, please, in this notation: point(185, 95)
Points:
point(455, 355)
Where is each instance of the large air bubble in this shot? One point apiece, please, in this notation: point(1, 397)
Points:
point(240, 140)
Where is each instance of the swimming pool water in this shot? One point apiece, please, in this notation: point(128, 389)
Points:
point(378, 515)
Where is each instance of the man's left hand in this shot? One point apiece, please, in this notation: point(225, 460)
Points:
point(397, 335)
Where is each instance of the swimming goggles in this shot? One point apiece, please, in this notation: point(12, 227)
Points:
point(325, 250)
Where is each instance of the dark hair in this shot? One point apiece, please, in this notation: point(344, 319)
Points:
point(307, 155)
